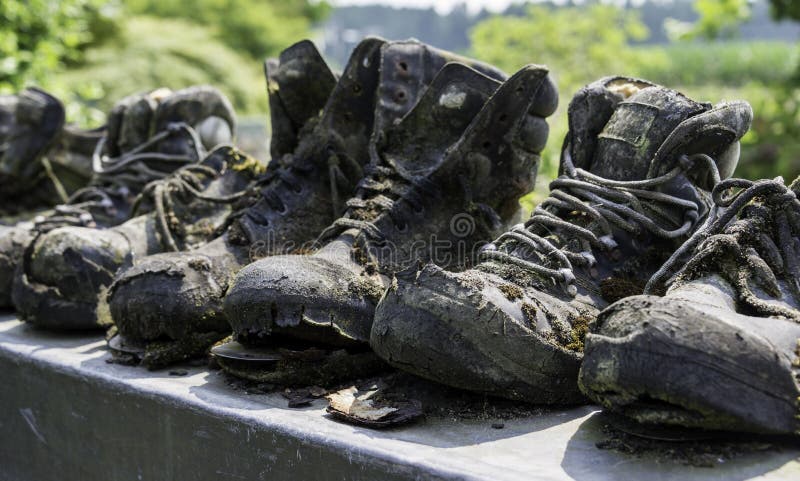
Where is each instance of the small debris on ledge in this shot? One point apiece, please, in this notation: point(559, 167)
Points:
point(303, 397)
point(373, 407)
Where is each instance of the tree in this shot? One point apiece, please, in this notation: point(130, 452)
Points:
point(718, 17)
point(37, 37)
point(723, 16)
point(789, 9)
point(577, 42)
point(257, 28)
point(160, 52)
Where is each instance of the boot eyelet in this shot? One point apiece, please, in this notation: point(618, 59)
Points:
point(403, 228)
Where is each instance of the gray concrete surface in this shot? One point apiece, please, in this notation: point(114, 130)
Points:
point(66, 414)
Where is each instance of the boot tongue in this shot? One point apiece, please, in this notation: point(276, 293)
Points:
point(303, 82)
point(349, 111)
point(418, 144)
point(795, 186)
point(636, 129)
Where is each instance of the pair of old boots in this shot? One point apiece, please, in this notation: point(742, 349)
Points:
point(154, 143)
point(409, 137)
point(642, 204)
point(641, 191)
point(433, 159)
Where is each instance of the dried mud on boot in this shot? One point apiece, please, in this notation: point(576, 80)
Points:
point(718, 349)
point(296, 366)
point(636, 168)
point(159, 354)
point(292, 201)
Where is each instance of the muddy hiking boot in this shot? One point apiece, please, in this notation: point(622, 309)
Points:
point(636, 168)
point(176, 298)
point(299, 83)
point(42, 161)
point(721, 349)
point(445, 178)
point(148, 137)
point(67, 270)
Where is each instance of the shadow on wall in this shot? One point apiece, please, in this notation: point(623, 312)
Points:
point(625, 456)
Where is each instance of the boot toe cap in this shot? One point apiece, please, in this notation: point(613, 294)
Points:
point(668, 361)
point(454, 329)
point(168, 295)
point(67, 270)
point(13, 241)
point(304, 297)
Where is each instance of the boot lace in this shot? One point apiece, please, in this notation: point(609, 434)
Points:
point(288, 171)
point(757, 223)
point(383, 190)
point(119, 177)
point(185, 183)
point(625, 205)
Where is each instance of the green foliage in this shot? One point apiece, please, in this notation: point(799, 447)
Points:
point(38, 37)
point(258, 28)
point(772, 147)
point(152, 53)
point(718, 18)
point(579, 44)
point(576, 42)
point(786, 9)
point(729, 63)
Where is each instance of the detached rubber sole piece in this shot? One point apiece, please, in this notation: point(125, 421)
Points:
point(296, 367)
point(162, 353)
point(373, 408)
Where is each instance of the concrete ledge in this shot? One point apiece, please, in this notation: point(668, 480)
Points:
point(69, 415)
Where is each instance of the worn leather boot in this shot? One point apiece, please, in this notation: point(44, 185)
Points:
point(65, 271)
point(148, 137)
point(636, 168)
point(42, 161)
point(299, 83)
point(30, 123)
point(447, 177)
point(721, 349)
point(301, 193)
point(69, 269)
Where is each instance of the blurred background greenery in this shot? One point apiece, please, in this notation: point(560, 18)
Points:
point(93, 52)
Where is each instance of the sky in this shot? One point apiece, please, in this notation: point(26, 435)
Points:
point(441, 6)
